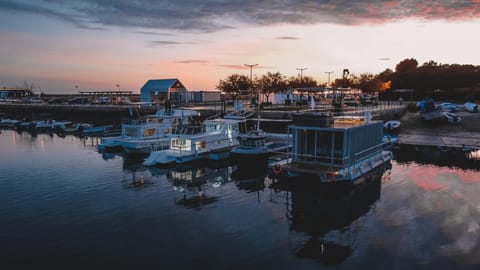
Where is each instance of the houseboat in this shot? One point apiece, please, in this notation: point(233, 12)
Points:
point(150, 133)
point(213, 140)
point(335, 152)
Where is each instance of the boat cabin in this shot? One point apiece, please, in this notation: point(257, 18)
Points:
point(320, 140)
point(217, 131)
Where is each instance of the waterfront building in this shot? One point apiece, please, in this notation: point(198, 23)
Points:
point(158, 91)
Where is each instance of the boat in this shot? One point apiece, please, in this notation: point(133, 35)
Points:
point(152, 133)
point(96, 130)
point(9, 123)
point(256, 146)
point(43, 126)
point(470, 107)
point(141, 136)
point(449, 107)
point(212, 140)
point(428, 110)
point(391, 126)
point(332, 153)
point(452, 118)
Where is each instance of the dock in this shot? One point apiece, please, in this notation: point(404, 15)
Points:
point(441, 141)
point(442, 135)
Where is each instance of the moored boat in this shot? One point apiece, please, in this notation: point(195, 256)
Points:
point(141, 136)
point(256, 146)
point(428, 110)
point(214, 137)
point(471, 107)
point(335, 153)
point(452, 118)
point(391, 126)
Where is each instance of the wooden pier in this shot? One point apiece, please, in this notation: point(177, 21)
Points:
point(441, 141)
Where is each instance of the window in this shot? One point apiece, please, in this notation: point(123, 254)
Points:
point(149, 132)
point(131, 132)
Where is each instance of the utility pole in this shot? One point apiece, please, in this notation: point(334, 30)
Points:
point(301, 72)
point(328, 72)
point(251, 66)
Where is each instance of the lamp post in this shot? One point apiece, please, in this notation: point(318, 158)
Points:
point(251, 66)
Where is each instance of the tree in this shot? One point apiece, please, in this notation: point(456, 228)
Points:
point(233, 84)
point(297, 82)
point(271, 83)
point(406, 65)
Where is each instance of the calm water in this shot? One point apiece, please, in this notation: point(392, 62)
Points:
point(64, 205)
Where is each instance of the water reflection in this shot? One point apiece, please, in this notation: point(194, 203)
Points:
point(250, 179)
point(314, 213)
point(194, 184)
point(434, 156)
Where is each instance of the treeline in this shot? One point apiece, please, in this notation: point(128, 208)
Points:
point(431, 79)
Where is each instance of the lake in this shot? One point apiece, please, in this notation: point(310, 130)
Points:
point(64, 205)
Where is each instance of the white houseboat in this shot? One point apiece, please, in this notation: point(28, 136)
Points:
point(149, 133)
point(213, 139)
point(336, 152)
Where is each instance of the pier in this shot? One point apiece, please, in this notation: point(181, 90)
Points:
point(442, 135)
point(78, 112)
point(453, 142)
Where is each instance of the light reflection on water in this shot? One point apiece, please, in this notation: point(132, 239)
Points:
point(64, 204)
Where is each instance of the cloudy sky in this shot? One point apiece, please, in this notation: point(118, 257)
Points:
point(97, 44)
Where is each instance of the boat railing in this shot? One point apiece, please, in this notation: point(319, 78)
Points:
point(329, 160)
point(371, 150)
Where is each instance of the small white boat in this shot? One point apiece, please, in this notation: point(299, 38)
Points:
point(391, 125)
point(46, 125)
point(449, 107)
point(471, 107)
point(9, 122)
point(452, 118)
point(96, 130)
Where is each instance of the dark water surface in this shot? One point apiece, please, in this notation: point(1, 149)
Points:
point(64, 205)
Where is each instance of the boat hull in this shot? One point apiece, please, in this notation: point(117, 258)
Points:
point(351, 175)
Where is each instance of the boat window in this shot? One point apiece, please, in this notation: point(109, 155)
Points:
point(149, 132)
point(213, 127)
point(132, 132)
point(323, 146)
point(338, 148)
point(181, 144)
point(200, 145)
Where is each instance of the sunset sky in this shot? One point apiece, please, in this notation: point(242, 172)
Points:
point(97, 44)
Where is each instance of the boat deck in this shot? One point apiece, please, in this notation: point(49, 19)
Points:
point(312, 169)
